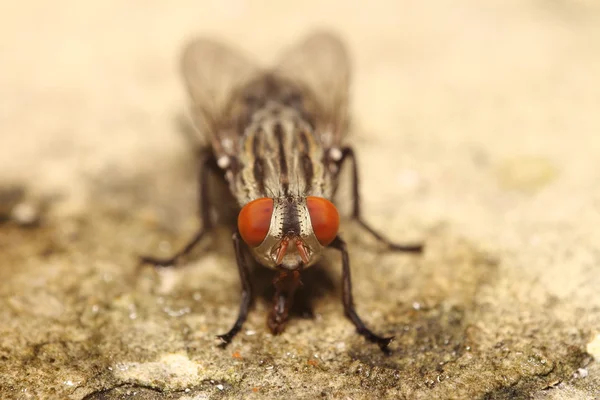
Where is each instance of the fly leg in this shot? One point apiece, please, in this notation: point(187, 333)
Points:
point(246, 292)
point(348, 154)
point(285, 284)
point(207, 165)
point(349, 309)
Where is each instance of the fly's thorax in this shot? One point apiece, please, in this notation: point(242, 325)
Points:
point(280, 155)
point(289, 229)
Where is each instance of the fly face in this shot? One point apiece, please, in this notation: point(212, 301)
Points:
point(288, 232)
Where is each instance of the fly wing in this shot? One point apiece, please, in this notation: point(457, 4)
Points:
point(213, 73)
point(321, 65)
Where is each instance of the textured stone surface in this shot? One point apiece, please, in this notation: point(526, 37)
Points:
point(477, 130)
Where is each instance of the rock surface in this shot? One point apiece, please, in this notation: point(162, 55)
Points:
point(476, 125)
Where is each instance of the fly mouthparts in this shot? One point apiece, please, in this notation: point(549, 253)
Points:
point(302, 251)
point(300, 247)
point(281, 251)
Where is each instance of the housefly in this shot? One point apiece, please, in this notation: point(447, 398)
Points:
point(275, 136)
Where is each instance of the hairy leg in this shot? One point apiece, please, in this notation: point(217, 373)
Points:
point(246, 292)
point(348, 301)
point(285, 284)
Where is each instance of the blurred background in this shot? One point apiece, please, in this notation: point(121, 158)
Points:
point(90, 84)
point(476, 125)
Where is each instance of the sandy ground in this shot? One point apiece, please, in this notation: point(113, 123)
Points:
point(477, 130)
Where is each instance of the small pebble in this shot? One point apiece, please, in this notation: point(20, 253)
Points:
point(25, 214)
point(581, 373)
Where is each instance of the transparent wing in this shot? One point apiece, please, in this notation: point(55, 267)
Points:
point(213, 73)
point(320, 64)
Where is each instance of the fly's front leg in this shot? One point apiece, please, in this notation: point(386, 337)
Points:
point(285, 284)
point(207, 164)
point(246, 292)
point(349, 309)
point(346, 153)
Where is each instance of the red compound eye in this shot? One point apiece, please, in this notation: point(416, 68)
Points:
point(324, 217)
point(254, 220)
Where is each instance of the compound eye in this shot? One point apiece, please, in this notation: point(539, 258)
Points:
point(254, 220)
point(324, 217)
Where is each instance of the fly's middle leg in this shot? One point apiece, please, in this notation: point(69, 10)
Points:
point(347, 153)
point(207, 164)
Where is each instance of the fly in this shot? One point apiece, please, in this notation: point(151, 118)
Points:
point(276, 137)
